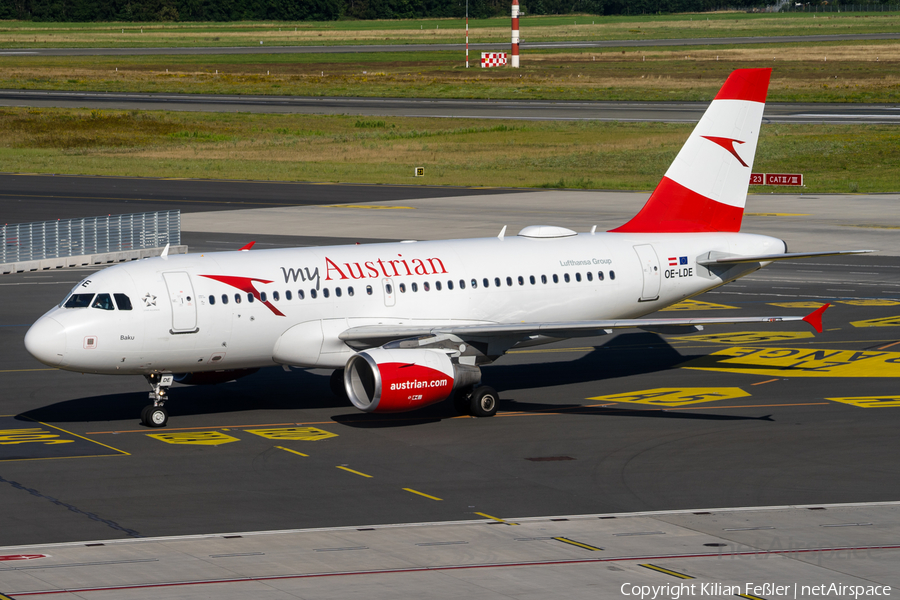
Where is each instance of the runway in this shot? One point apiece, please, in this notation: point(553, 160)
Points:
point(337, 49)
point(544, 110)
point(599, 426)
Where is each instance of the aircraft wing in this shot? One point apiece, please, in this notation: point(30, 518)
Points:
point(717, 258)
point(372, 335)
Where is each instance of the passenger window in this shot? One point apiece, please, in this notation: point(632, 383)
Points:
point(79, 301)
point(224, 298)
point(543, 279)
point(402, 287)
point(287, 294)
point(123, 302)
point(531, 279)
point(509, 281)
point(250, 297)
point(212, 301)
point(300, 295)
point(521, 280)
point(337, 292)
point(462, 284)
point(390, 289)
point(103, 302)
point(590, 276)
point(486, 282)
point(474, 284)
point(437, 285)
point(275, 296)
point(496, 282)
point(450, 284)
point(426, 286)
point(350, 290)
point(414, 287)
point(313, 294)
point(612, 275)
point(262, 296)
point(599, 275)
point(369, 290)
point(566, 277)
point(577, 276)
point(555, 278)
point(326, 293)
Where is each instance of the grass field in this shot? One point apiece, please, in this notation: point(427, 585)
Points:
point(19, 34)
point(824, 72)
point(459, 152)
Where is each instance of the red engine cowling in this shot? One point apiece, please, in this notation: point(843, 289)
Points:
point(397, 380)
point(212, 377)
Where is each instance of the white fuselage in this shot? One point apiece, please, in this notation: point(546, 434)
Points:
point(191, 313)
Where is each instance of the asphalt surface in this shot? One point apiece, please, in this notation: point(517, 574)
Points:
point(672, 112)
point(263, 49)
point(749, 439)
point(27, 198)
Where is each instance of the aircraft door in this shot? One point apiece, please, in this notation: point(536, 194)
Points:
point(650, 270)
point(389, 292)
point(182, 301)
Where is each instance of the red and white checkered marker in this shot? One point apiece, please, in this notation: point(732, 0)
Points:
point(493, 59)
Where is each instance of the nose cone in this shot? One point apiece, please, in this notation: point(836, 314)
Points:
point(46, 341)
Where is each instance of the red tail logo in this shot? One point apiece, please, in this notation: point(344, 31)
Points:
point(728, 144)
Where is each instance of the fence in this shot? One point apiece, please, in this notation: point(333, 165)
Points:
point(90, 235)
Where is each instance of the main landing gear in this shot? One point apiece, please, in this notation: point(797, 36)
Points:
point(155, 415)
point(481, 401)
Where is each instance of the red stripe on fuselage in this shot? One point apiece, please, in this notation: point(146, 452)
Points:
point(673, 208)
point(746, 84)
point(245, 284)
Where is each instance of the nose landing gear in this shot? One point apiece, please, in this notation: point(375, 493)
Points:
point(155, 415)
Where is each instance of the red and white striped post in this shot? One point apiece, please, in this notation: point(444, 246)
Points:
point(467, 34)
point(514, 60)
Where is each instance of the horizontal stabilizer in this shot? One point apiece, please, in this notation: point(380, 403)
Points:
point(717, 259)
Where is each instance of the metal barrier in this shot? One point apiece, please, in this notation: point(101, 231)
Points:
point(89, 236)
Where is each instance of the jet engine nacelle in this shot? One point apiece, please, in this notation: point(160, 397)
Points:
point(397, 380)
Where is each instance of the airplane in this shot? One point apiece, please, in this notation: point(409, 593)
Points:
point(408, 324)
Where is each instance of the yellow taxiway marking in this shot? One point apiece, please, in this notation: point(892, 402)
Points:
point(806, 304)
point(800, 362)
point(498, 519)
point(310, 434)
point(775, 215)
point(750, 597)
point(412, 491)
point(870, 401)
point(696, 305)
point(371, 207)
point(574, 543)
point(747, 337)
point(879, 322)
point(666, 571)
point(888, 346)
point(292, 451)
point(354, 472)
point(675, 396)
point(766, 381)
point(196, 438)
point(31, 435)
point(870, 302)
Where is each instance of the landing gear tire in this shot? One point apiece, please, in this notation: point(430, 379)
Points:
point(484, 402)
point(461, 401)
point(337, 384)
point(155, 416)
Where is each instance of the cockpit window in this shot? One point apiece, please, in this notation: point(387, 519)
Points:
point(79, 301)
point(103, 302)
point(122, 301)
